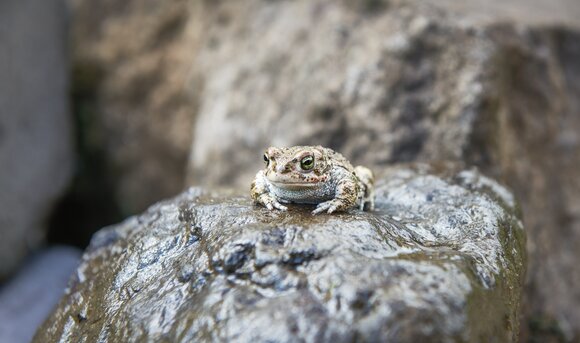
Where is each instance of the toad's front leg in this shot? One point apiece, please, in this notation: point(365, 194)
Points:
point(346, 197)
point(261, 193)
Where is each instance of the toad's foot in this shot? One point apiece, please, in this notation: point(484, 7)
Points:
point(271, 203)
point(330, 206)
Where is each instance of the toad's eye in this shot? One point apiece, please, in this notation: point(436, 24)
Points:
point(307, 163)
point(266, 159)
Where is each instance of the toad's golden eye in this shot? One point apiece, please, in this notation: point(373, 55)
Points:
point(266, 159)
point(307, 163)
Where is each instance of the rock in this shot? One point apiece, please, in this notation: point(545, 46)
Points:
point(520, 12)
point(35, 145)
point(28, 298)
point(442, 257)
point(393, 81)
point(131, 62)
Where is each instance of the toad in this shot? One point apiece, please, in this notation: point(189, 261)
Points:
point(312, 175)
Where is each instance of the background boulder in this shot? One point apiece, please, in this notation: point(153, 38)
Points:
point(28, 298)
point(131, 61)
point(36, 154)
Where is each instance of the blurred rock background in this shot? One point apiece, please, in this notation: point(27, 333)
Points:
point(131, 67)
point(165, 94)
point(36, 153)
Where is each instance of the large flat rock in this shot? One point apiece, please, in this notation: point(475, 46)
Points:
point(442, 257)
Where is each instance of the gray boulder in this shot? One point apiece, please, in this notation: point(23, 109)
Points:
point(28, 298)
point(442, 257)
point(35, 129)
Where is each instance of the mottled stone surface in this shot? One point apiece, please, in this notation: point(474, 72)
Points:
point(35, 128)
point(442, 257)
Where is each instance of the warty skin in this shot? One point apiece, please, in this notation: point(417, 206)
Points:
point(312, 175)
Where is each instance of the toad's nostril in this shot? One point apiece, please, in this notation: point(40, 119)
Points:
point(282, 168)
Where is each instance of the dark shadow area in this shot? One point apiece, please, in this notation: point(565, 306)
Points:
point(89, 203)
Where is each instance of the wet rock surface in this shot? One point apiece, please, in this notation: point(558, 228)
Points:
point(443, 257)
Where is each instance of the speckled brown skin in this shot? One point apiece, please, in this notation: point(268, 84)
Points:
point(312, 175)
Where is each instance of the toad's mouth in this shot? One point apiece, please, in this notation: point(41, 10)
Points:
point(295, 184)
